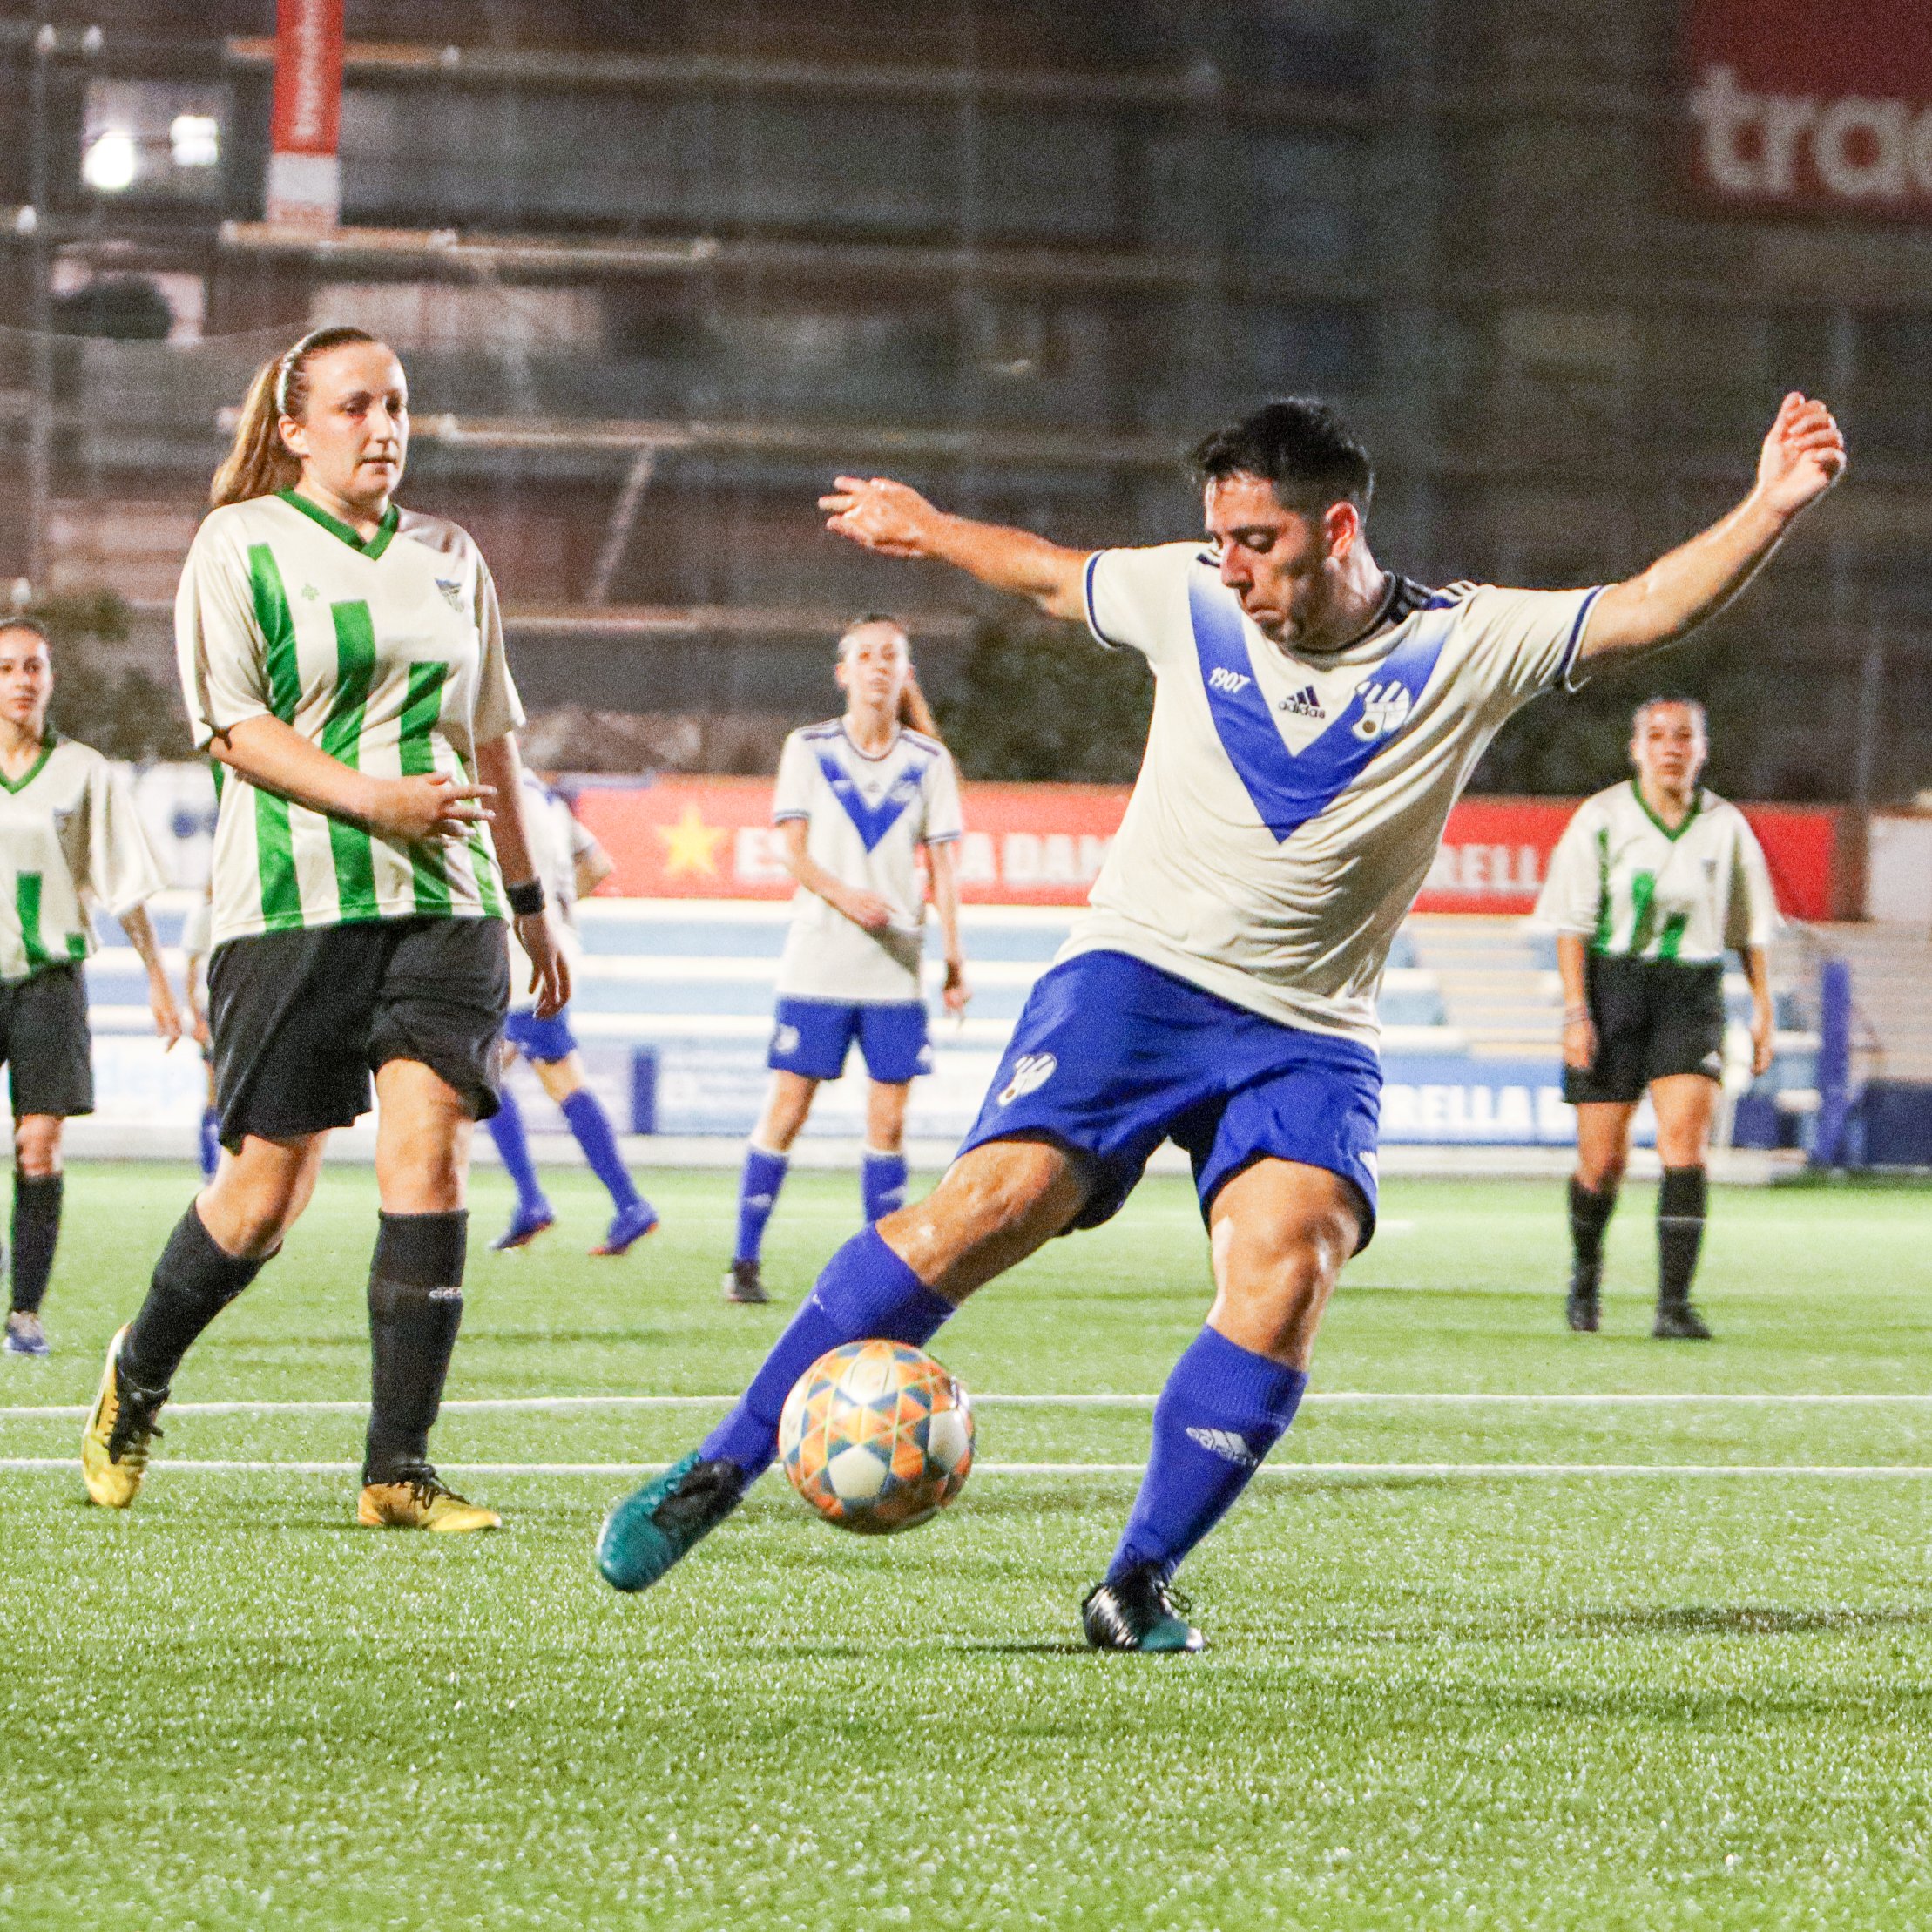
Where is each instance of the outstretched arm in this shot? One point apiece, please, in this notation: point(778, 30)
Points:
point(1802, 457)
point(895, 520)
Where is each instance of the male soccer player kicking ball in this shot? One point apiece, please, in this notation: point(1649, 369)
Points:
point(1314, 719)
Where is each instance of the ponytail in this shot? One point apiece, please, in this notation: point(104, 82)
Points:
point(915, 713)
point(258, 462)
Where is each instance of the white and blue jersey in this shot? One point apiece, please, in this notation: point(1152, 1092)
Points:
point(556, 837)
point(1220, 990)
point(866, 818)
point(1291, 801)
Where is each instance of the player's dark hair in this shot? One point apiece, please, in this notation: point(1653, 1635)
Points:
point(258, 462)
point(1301, 446)
point(915, 713)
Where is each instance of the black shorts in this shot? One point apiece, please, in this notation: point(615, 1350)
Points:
point(44, 1041)
point(1654, 1018)
point(302, 1019)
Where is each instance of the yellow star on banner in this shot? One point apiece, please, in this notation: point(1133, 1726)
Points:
point(691, 845)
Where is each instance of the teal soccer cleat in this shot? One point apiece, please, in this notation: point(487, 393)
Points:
point(1143, 1611)
point(651, 1528)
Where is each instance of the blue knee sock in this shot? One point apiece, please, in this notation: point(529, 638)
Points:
point(1223, 1409)
point(592, 1125)
point(757, 1196)
point(882, 1178)
point(506, 1128)
point(866, 1290)
point(210, 1142)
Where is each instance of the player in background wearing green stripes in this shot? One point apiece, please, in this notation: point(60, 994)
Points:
point(1650, 884)
point(69, 840)
point(343, 662)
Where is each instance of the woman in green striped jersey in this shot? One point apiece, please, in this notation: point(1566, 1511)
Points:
point(343, 662)
point(1653, 882)
point(70, 842)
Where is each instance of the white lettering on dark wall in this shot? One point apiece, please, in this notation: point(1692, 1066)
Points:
point(1855, 149)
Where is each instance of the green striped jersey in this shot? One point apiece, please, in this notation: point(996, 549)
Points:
point(389, 654)
point(69, 840)
point(1634, 887)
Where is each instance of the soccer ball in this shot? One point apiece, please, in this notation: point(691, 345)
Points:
point(876, 1436)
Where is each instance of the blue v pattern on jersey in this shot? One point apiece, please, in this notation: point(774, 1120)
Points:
point(1290, 787)
point(873, 822)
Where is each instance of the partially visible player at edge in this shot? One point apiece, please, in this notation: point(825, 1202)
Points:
point(572, 864)
point(197, 941)
point(856, 798)
point(70, 841)
point(342, 661)
point(1651, 882)
point(1314, 717)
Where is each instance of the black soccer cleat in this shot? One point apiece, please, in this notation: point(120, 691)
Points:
point(745, 1283)
point(1582, 1310)
point(1140, 1612)
point(1679, 1322)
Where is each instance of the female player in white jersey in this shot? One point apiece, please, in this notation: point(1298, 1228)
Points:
point(1650, 884)
point(857, 796)
point(70, 842)
point(343, 661)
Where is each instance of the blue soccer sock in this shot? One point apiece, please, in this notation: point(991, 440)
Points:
point(592, 1125)
point(506, 1128)
point(865, 1291)
point(882, 1179)
point(1223, 1409)
point(757, 1196)
point(210, 1147)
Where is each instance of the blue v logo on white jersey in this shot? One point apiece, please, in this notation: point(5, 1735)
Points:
point(1290, 787)
point(872, 821)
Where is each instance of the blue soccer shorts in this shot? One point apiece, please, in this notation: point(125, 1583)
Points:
point(1111, 1057)
point(812, 1038)
point(545, 1041)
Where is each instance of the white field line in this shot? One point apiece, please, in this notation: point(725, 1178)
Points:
point(1392, 1397)
point(1836, 1471)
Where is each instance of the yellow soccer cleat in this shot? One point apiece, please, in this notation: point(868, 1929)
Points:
point(113, 1446)
point(421, 1501)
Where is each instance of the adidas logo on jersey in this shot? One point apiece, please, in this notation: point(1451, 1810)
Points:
point(1225, 1443)
point(1031, 1071)
point(1385, 709)
point(1304, 704)
point(1221, 678)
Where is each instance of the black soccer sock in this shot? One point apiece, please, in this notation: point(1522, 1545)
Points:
point(36, 1228)
point(416, 1307)
point(193, 1281)
point(1680, 1203)
point(1589, 1215)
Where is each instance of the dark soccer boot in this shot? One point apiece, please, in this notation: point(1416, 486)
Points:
point(1581, 1310)
point(745, 1282)
point(651, 1528)
point(1140, 1612)
point(1679, 1322)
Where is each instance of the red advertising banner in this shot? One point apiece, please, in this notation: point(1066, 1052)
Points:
point(1798, 107)
point(1042, 845)
point(304, 174)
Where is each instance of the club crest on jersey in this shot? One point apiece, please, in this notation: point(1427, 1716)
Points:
point(1385, 709)
point(1030, 1072)
point(452, 595)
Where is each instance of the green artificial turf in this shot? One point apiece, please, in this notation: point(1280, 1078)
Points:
point(1433, 1699)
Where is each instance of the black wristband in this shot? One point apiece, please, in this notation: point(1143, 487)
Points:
point(525, 899)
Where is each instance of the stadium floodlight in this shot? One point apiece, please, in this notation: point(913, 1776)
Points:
point(195, 141)
point(111, 162)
